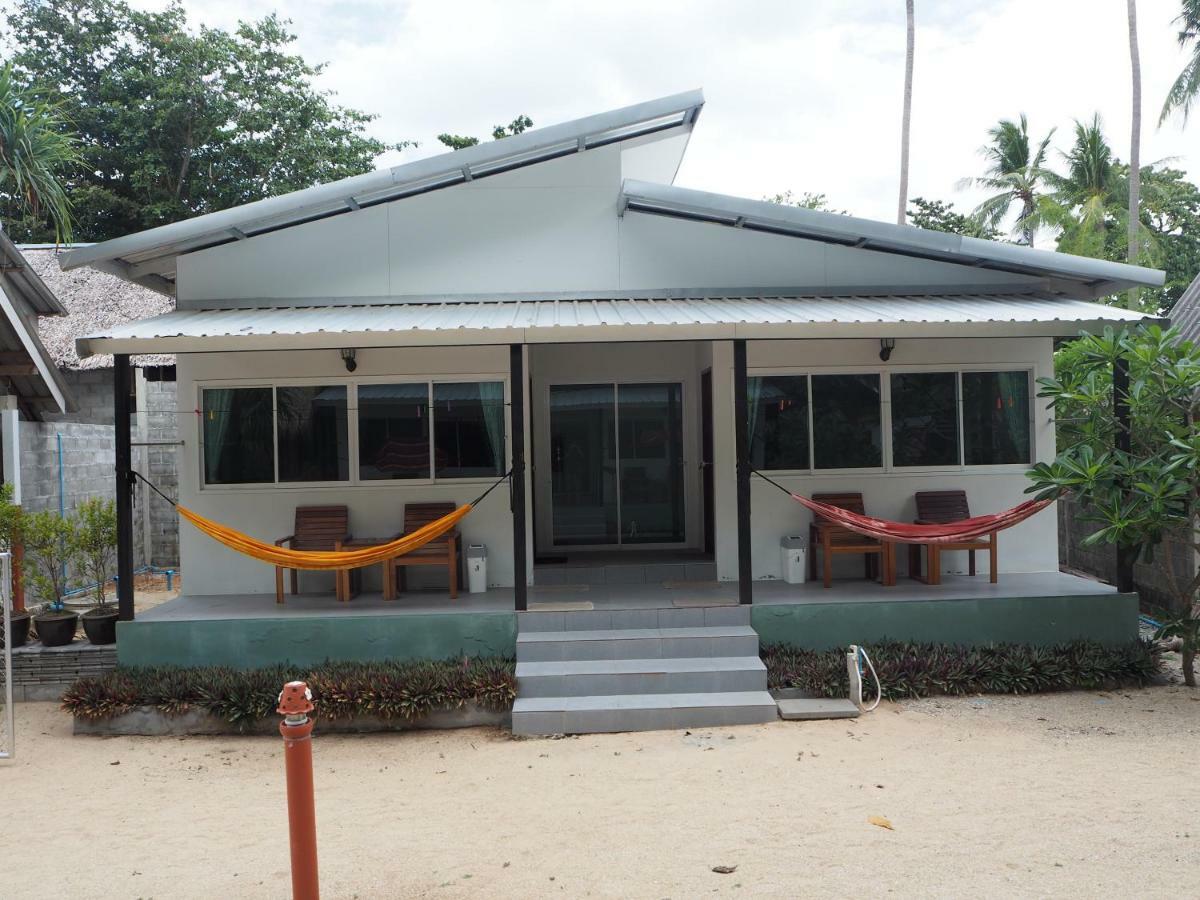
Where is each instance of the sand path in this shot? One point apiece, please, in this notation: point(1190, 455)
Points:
point(1067, 795)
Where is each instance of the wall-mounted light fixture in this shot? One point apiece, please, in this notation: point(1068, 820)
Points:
point(348, 358)
point(886, 346)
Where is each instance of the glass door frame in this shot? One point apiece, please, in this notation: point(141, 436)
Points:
point(544, 495)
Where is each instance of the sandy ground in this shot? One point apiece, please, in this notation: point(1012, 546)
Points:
point(1068, 795)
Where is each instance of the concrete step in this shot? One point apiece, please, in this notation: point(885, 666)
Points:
point(637, 643)
point(669, 617)
point(640, 712)
point(582, 678)
point(823, 708)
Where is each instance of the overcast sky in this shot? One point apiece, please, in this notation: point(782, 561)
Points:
point(802, 95)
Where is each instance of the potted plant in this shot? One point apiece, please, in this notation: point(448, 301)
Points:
point(49, 550)
point(95, 523)
point(10, 536)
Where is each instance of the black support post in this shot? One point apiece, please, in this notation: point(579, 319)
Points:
point(1120, 376)
point(122, 388)
point(516, 388)
point(741, 446)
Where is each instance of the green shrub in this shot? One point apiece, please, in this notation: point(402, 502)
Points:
point(908, 670)
point(341, 690)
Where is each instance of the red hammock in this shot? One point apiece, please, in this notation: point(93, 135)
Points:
point(902, 533)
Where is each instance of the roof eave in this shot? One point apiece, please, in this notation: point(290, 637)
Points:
point(1090, 277)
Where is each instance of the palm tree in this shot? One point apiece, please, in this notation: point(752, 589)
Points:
point(1187, 86)
point(1135, 145)
point(1017, 173)
point(907, 116)
point(1083, 197)
point(35, 149)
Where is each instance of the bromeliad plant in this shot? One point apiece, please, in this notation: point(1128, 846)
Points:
point(1146, 497)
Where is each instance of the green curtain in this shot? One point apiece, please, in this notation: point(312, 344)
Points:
point(218, 413)
point(754, 387)
point(491, 398)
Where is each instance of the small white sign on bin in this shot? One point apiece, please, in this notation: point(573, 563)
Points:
point(477, 581)
point(793, 558)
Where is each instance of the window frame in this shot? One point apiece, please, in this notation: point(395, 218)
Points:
point(351, 384)
point(888, 466)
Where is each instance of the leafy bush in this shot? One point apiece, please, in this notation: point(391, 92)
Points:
point(908, 670)
point(341, 690)
point(95, 535)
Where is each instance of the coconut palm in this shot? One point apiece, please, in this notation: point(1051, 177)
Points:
point(1018, 174)
point(1083, 198)
point(1187, 86)
point(35, 150)
point(906, 118)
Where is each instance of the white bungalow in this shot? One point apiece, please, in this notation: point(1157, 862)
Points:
point(359, 343)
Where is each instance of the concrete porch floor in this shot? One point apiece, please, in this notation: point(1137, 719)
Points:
point(624, 596)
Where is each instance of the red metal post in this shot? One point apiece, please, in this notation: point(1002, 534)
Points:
point(295, 703)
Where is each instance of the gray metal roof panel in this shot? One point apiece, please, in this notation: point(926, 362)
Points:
point(500, 321)
point(759, 215)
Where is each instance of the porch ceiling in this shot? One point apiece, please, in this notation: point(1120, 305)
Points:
point(548, 321)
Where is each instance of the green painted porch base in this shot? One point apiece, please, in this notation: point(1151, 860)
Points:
point(253, 643)
point(1105, 618)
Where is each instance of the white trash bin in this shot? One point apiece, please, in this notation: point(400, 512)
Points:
point(476, 568)
point(793, 553)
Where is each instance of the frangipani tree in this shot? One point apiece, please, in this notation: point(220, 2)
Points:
point(1146, 496)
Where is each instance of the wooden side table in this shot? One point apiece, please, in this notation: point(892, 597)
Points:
point(342, 581)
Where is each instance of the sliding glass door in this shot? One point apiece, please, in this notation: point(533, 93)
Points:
point(616, 461)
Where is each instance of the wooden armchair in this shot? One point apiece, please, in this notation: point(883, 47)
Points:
point(316, 528)
point(442, 552)
point(834, 539)
point(939, 508)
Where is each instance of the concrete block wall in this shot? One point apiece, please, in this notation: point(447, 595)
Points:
point(161, 467)
point(93, 392)
point(1153, 580)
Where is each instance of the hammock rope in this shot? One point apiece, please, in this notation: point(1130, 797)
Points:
point(908, 533)
point(325, 560)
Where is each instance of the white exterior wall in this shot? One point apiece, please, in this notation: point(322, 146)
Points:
point(1030, 547)
point(376, 507)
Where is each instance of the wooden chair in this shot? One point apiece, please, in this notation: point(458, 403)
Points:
point(442, 552)
point(316, 528)
point(835, 539)
point(940, 508)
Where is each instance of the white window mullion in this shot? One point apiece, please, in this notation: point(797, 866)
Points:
point(429, 428)
point(275, 429)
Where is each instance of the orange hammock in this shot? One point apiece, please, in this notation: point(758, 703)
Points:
point(323, 560)
point(906, 533)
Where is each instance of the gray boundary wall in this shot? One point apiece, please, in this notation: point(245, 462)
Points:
point(1152, 580)
point(88, 456)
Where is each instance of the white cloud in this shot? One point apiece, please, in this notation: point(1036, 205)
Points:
point(801, 95)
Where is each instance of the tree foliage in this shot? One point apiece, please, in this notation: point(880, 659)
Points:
point(1145, 497)
point(806, 200)
point(1186, 88)
point(174, 121)
point(94, 533)
point(1017, 173)
point(37, 150)
point(938, 216)
point(459, 141)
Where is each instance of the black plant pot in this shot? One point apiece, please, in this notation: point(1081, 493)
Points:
point(100, 626)
point(56, 629)
point(20, 629)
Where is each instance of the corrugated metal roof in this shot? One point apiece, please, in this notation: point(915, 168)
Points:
point(32, 374)
point(556, 321)
point(1097, 277)
point(148, 257)
point(1185, 314)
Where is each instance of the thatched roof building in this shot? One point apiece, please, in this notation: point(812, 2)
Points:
point(94, 301)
